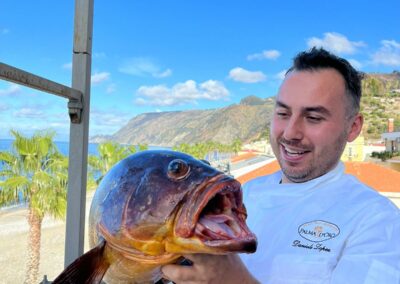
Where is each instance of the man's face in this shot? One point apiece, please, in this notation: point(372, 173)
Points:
point(310, 126)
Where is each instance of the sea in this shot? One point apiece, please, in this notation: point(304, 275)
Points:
point(63, 147)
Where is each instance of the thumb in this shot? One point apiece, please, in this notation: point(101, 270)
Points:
point(177, 273)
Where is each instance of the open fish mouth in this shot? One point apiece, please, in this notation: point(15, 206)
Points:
point(216, 216)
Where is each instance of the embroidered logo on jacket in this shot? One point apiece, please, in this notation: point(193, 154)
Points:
point(318, 231)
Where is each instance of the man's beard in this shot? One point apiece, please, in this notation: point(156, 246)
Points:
point(318, 165)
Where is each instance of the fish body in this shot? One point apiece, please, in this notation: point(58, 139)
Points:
point(153, 207)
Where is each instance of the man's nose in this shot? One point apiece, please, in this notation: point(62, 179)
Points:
point(293, 129)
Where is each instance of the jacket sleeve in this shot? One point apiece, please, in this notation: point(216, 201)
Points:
point(372, 251)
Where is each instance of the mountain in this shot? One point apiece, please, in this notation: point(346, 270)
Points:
point(380, 101)
point(249, 120)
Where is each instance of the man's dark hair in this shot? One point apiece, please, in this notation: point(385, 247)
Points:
point(319, 58)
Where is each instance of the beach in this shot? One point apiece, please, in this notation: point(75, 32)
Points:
point(13, 245)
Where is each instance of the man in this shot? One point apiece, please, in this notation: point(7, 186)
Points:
point(314, 223)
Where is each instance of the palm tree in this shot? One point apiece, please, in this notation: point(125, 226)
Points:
point(34, 173)
point(109, 154)
point(236, 145)
point(200, 150)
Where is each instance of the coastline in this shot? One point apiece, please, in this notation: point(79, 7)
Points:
point(13, 244)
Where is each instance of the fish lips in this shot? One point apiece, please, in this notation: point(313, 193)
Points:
point(228, 192)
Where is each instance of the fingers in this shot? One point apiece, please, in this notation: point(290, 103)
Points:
point(178, 273)
point(209, 269)
point(189, 271)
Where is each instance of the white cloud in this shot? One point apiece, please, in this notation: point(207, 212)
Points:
point(29, 113)
point(213, 90)
point(13, 89)
point(388, 54)
point(265, 54)
point(4, 31)
point(336, 43)
point(164, 74)
point(97, 78)
point(245, 76)
point(355, 63)
point(30, 118)
point(106, 122)
point(181, 93)
point(141, 66)
point(104, 118)
point(67, 66)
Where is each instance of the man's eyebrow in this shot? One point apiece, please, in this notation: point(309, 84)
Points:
point(281, 104)
point(318, 109)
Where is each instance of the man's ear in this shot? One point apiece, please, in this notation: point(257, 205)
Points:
point(355, 127)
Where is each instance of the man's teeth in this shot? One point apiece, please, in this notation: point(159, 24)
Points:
point(293, 152)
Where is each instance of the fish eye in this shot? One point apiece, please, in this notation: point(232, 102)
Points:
point(178, 169)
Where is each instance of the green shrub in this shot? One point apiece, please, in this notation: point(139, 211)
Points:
point(384, 155)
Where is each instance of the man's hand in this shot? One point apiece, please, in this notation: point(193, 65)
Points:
point(210, 269)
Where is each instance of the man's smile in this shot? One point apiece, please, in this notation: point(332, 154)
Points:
point(293, 154)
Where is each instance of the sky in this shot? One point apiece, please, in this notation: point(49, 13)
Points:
point(170, 55)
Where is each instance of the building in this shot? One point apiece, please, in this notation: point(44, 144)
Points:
point(354, 151)
point(392, 141)
point(391, 138)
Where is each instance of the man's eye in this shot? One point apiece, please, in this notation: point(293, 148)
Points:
point(281, 114)
point(314, 119)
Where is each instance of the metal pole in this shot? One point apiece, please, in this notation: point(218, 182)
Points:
point(78, 149)
point(22, 77)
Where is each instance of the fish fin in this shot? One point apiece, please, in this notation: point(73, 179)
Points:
point(87, 269)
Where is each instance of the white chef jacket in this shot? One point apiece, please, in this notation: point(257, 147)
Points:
point(332, 229)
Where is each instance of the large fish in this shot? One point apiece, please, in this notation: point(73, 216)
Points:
point(151, 208)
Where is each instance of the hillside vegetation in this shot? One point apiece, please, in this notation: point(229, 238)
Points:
point(380, 101)
point(245, 121)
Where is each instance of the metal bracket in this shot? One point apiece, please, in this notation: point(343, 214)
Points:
point(22, 77)
point(75, 108)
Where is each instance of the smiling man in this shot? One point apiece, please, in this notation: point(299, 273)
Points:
point(314, 223)
point(311, 126)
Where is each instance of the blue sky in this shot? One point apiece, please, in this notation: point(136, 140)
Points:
point(151, 56)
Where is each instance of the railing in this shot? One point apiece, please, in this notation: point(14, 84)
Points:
point(79, 107)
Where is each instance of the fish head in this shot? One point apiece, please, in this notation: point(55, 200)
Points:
point(160, 202)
